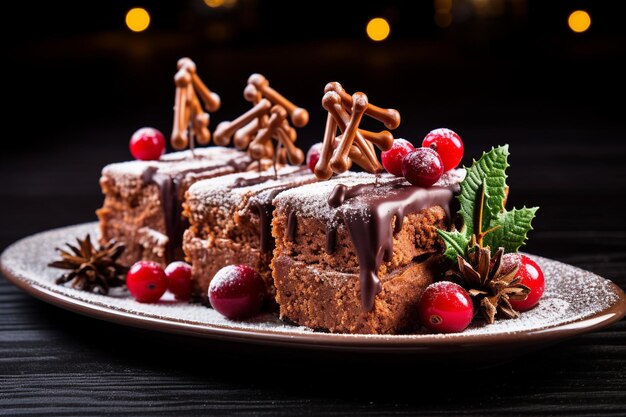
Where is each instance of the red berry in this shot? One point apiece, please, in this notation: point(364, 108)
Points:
point(146, 281)
point(147, 144)
point(237, 291)
point(392, 159)
point(532, 277)
point(178, 276)
point(445, 307)
point(313, 155)
point(447, 144)
point(422, 167)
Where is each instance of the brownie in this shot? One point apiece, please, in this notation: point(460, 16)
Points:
point(353, 254)
point(142, 204)
point(230, 223)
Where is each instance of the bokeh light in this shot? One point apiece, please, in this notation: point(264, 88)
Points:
point(217, 4)
point(378, 29)
point(214, 3)
point(137, 19)
point(579, 21)
point(443, 13)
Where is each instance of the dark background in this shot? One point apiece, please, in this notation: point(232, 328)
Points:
point(505, 71)
point(78, 83)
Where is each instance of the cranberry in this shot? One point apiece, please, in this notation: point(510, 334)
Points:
point(147, 144)
point(532, 277)
point(178, 276)
point(422, 167)
point(313, 155)
point(392, 159)
point(447, 144)
point(146, 281)
point(445, 307)
point(237, 291)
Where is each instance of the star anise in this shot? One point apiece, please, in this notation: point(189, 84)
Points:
point(91, 269)
point(490, 280)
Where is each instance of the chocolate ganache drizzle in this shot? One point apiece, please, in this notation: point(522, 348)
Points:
point(168, 194)
point(261, 203)
point(368, 210)
point(171, 196)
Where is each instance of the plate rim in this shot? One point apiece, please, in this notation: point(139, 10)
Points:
point(314, 340)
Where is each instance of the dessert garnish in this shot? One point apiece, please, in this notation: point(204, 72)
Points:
point(237, 292)
point(422, 167)
point(146, 281)
point(392, 158)
point(178, 275)
point(484, 250)
point(445, 307)
point(191, 122)
point(491, 280)
point(147, 144)
point(441, 151)
point(266, 121)
point(313, 155)
point(447, 144)
point(345, 112)
point(532, 277)
point(91, 269)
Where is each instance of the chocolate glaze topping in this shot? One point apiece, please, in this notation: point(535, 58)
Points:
point(341, 192)
point(249, 182)
point(292, 225)
point(331, 239)
point(171, 198)
point(168, 194)
point(368, 215)
point(239, 164)
point(263, 204)
point(265, 210)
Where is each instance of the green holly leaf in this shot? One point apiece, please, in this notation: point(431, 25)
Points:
point(487, 173)
point(513, 226)
point(483, 195)
point(456, 243)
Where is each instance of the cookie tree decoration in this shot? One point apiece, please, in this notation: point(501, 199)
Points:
point(191, 122)
point(484, 250)
point(265, 122)
point(356, 145)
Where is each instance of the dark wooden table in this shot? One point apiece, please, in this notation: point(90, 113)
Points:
point(54, 362)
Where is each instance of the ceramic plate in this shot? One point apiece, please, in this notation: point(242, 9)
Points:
point(575, 302)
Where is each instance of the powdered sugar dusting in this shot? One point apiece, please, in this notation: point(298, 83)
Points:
point(211, 152)
point(571, 294)
point(222, 192)
point(155, 235)
point(174, 162)
point(224, 278)
point(312, 200)
point(451, 177)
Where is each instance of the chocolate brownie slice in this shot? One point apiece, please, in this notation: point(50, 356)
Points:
point(354, 254)
point(142, 204)
point(230, 223)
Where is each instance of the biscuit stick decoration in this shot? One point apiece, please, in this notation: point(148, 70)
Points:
point(299, 116)
point(267, 121)
point(390, 117)
point(353, 144)
point(189, 115)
